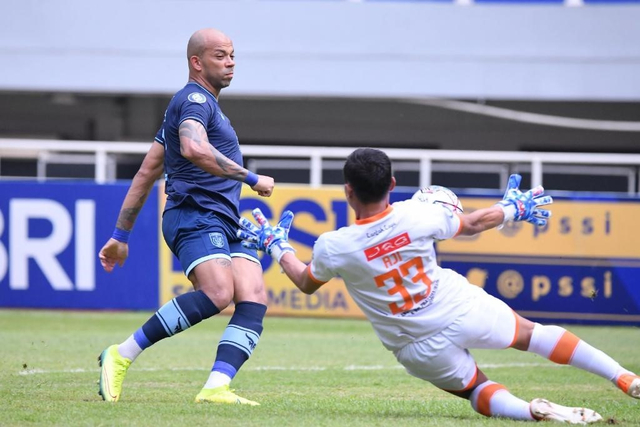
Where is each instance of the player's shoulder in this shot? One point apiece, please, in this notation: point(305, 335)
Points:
point(328, 236)
point(417, 213)
point(411, 207)
point(403, 204)
point(334, 240)
point(193, 93)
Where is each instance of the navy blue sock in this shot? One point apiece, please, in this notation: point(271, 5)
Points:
point(179, 314)
point(240, 337)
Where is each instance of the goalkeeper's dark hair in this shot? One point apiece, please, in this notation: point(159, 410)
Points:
point(369, 173)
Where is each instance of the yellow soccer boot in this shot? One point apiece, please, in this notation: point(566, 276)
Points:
point(114, 367)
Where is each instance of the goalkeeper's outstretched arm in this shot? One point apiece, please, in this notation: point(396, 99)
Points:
point(481, 220)
point(297, 272)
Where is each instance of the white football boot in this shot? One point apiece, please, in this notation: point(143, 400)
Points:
point(543, 410)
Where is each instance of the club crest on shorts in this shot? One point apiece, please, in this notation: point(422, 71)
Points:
point(216, 240)
point(197, 97)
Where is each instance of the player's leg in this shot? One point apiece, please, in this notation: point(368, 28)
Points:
point(561, 346)
point(196, 250)
point(245, 326)
point(452, 369)
point(177, 315)
point(491, 324)
point(494, 400)
point(242, 334)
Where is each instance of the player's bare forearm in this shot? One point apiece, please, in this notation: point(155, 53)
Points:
point(150, 171)
point(481, 220)
point(296, 270)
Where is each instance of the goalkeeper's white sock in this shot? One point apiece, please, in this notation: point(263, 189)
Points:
point(561, 346)
point(494, 400)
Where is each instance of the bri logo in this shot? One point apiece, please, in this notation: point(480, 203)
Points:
point(387, 246)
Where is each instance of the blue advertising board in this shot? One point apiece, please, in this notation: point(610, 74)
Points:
point(582, 267)
point(50, 235)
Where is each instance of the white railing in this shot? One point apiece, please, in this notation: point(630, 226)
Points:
point(103, 154)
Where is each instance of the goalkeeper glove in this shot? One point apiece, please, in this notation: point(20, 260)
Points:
point(272, 240)
point(519, 206)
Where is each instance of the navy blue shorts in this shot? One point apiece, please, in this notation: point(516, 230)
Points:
point(196, 236)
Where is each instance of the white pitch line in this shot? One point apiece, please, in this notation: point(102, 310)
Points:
point(289, 368)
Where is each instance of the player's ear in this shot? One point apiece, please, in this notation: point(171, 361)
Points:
point(194, 61)
point(393, 184)
point(348, 191)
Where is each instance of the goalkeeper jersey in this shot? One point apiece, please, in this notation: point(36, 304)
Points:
point(388, 264)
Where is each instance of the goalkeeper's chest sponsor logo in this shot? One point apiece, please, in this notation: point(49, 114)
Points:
point(388, 246)
point(216, 240)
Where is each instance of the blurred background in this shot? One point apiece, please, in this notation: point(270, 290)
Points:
point(460, 93)
point(515, 75)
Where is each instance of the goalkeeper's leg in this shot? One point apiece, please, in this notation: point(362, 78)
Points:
point(452, 368)
point(494, 400)
point(561, 346)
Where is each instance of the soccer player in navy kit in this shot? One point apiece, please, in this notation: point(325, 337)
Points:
point(198, 150)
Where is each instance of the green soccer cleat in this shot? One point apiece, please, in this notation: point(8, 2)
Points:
point(114, 367)
point(222, 394)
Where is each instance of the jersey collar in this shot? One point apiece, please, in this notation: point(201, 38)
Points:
point(376, 217)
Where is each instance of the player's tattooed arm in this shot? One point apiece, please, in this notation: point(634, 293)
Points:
point(128, 216)
point(195, 147)
point(193, 132)
point(230, 169)
point(150, 171)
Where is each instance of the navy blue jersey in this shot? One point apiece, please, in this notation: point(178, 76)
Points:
point(184, 181)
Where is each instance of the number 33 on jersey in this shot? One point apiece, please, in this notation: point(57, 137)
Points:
point(388, 263)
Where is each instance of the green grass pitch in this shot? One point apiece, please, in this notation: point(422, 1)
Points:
point(304, 372)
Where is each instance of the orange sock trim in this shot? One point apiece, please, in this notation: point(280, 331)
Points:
point(473, 380)
point(624, 381)
point(515, 334)
point(564, 349)
point(471, 384)
point(484, 398)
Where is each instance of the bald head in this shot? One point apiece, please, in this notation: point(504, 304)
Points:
point(211, 55)
point(203, 39)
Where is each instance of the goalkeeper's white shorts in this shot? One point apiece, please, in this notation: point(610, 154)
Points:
point(443, 359)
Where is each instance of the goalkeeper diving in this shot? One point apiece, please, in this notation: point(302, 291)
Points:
point(430, 316)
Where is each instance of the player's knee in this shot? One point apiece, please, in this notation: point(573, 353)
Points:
point(220, 296)
point(253, 292)
point(524, 333)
